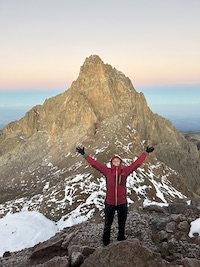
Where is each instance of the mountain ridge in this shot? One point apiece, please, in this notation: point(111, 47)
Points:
point(102, 111)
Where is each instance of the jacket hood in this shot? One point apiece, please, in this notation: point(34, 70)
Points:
point(118, 157)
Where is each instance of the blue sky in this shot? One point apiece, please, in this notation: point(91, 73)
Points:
point(154, 43)
point(174, 101)
point(14, 104)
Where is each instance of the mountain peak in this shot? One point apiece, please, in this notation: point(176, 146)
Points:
point(108, 91)
point(91, 66)
point(93, 59)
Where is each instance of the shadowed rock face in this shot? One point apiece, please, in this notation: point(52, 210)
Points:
point(102, 111)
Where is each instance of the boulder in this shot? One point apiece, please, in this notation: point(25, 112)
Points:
point(126, 253)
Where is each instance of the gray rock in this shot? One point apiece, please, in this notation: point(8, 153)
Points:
point(48, 248)
point(76, 258)
point(159, 237)
point(171, 227)
point(55, 262)
point(126, 253)
point(187, 262)
point(67, 240)
point(183, 226)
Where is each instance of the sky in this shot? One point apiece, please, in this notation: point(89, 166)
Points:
point(38, 229)
point(154, 43)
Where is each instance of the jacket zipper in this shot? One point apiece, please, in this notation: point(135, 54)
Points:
point(116, 182)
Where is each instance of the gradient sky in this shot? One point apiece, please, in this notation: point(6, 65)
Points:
point(44, 42)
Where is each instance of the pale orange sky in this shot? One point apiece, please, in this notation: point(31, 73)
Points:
point(44, 43)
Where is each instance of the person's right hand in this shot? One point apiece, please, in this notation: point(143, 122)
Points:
point(80, 150)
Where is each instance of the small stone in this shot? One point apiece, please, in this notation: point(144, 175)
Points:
point(170, 227)
point(183, 226)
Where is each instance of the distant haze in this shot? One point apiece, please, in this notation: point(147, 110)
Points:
point(185, 117)
point(180, 105)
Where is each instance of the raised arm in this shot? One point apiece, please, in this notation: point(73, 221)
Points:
point(94, 163)
point(134, 165)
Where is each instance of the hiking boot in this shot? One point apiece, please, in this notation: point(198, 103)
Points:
point(106, 242)
point(121, 238)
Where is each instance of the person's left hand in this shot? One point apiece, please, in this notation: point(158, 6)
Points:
point(149, 149)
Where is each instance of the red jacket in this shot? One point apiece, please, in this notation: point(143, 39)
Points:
point(116, 178)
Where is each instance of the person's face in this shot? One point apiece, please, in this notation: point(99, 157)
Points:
point(116, 162)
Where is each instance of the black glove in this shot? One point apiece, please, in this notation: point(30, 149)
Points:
point(80, 150)
point(149, 149)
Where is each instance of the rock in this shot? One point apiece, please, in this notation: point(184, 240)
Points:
point(55, 262)
point(67, 240)
point(86, 251)
point(159, 237)
point(126, 253)
point(176, 217)
point(170, 227)
point(156, 208)
point(190, 262)
point(163, 249)
point(159, 224)
point(49, 248)
point(76, 258)
point(77, 254)
point(6, 254)
point(183, 226)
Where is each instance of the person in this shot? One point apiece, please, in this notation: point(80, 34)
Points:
point(116, 200)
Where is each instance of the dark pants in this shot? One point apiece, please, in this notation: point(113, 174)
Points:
point(109, 216)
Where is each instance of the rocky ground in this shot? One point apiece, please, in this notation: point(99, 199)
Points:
point(156, 237)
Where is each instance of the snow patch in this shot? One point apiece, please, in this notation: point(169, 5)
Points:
point(148, 202)
point(24, 229)
point(195, 228)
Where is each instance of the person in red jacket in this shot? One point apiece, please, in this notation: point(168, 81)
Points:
point(116, 177)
